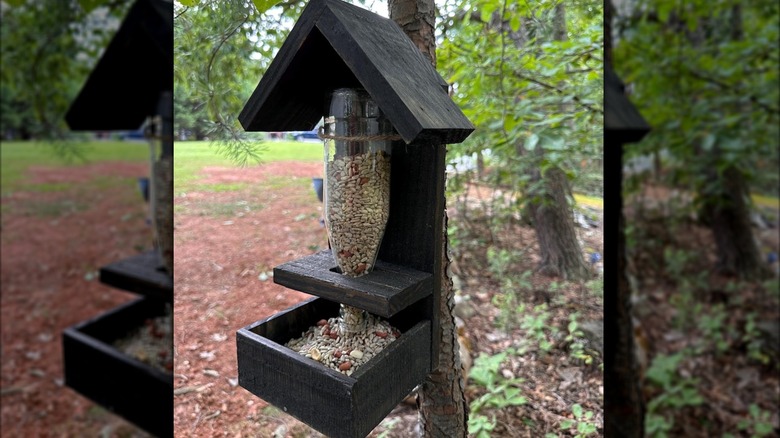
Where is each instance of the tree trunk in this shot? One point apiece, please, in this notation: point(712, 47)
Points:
point(552, 215)
point(417, 18)
point(442, 400)
point(728, 213)
point(727, 208)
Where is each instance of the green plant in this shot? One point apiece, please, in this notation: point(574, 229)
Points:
point(500, 266)
point(713, 327)
point(596, 286)
point(501, 392)
point(759, 424)
point(676, 261)
point(535, 323)
point(657, 425)
point(575, 339)
point(480, 426)
point(677, 392)
point(582, 424)
point(685, 303)
point(752, 337)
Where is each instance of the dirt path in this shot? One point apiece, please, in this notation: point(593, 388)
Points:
point(53, 244)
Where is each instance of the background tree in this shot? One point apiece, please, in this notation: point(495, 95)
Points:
point(712, 94)
point(535, 96)
point(707, 83)
point(48, 50)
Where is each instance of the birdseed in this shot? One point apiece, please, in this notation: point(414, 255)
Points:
point(323, 343)
point(357, 204)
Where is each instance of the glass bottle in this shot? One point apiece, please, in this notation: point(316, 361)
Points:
point(358, 140)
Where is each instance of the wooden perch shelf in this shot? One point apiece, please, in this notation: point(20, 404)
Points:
point(387, 290)
point(335, 404)
point(141, 274)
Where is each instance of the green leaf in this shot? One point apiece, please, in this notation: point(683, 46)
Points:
point(189, 3)
point(531, 141)
point(15, 2)
point(576, 409)
point(487, 11)
point(514, 23)
point(89, 5)
point(264, 5)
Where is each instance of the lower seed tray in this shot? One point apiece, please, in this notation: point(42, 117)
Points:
point(122, 384)
point(335, 404)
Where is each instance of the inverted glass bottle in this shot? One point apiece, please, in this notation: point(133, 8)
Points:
point(357, 185)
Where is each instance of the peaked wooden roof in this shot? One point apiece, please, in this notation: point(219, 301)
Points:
point(125, 85)
point(622, 121)
point(334, 45)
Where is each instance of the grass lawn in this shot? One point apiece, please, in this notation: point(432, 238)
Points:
point(192, 156)
point(17, 156)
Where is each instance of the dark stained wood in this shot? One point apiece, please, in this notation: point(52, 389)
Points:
point(348, 46)
point(622, 121)
point(125, 85)
point(384, 292)
point(623, 400)
point(122, 384)
point(415, 227)
point(334, 404)
point(141, 274)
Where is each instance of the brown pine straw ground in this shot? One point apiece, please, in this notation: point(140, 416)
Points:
point(54, 240)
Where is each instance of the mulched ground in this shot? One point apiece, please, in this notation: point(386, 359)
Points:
point(53, 244)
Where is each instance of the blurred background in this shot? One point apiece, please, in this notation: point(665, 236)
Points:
point(700, 200)
point(71, 203)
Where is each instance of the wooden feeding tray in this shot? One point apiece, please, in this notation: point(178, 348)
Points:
point(385, 291)
point(142, 274)
point(122, 384)
point(333, 403)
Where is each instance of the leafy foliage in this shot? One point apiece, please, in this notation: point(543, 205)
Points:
point(711, 94)
point(522, 88)
point(48, 49)
point(500, 394)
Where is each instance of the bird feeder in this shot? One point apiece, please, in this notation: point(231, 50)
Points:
point(622, 124)
point(131, 83)
point(388, 118)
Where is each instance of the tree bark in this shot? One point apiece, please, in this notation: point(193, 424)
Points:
point(727, 208)
point(442, 400)
point(417, 18)
point(728, 213)
point(738, 253)
point(554, 226)
point(552, 215)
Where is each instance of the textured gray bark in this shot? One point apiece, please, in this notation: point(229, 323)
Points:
point(442, 401)
point(552, 216)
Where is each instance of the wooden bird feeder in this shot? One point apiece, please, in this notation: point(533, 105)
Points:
point(339, 49)
point(622, 124)
point(131, 82)
point(137, 66)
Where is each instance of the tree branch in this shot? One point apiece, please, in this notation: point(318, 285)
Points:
point(579, 101)
point(732, 87)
